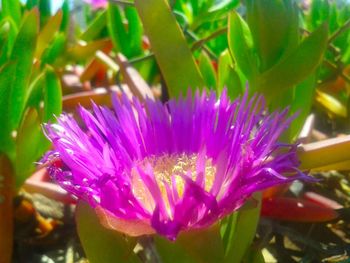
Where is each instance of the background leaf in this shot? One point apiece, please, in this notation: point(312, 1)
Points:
point(23, 53)
point(290, 71)
point(241, 45)
point(99, 243)
point(207, 70)
point(241, 232)
point(172, 53)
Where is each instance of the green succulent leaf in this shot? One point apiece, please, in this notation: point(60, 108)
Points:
point(95, 27)
point(8, 33)
point(297, 66)
point(47, 34)
point(238, 232)
point(172, 53)
point(44, 11)
point(117, 29)
point(301, 104)
point(274, 27)
point(202, 245)
point(55, 53)
point(241, 45)
point(29, 138)
point(7, 76)
point(83, 52)
point(12, 8)
point(23, 53)
point(207, 70)
point(52, 95)
point(228, 77)
point(99, 243)
point(135, 31)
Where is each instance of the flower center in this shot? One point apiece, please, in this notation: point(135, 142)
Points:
point(169, 172)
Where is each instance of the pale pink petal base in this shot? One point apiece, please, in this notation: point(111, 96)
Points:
point(134, 227)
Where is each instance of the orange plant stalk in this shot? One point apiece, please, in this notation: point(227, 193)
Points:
point(6, 209)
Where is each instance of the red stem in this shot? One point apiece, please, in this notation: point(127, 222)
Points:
point(6, 209)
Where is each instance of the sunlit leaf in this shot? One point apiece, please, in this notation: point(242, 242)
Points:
point(242, 232)
point(12, 8)
point(65, 17)
point(29, 137)
point(7, 75)
point(44, 11)
point(202, 245)
point(302, 102)
point(117, 29)
point(297, 66)
point(81, 52)
point(55, 53)
point(35, 91)
point(135, 31)
point(52, 95)
point(241, 45)
point(23, 52)
point(228, 77)
point(95, 27)
point(172, 52)
point(207, 70)
point(8, 33)
point(47, 33)
point(99, 243)
point(333, 105)
point(274, 28)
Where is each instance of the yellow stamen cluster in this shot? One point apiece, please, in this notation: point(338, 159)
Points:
point(168, 169)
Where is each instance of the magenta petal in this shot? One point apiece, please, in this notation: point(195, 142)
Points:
point(177, 166)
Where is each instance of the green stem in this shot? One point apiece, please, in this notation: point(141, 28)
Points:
point(340, 30)
point(202, 41)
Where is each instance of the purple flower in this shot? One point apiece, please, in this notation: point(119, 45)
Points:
point(97, 3)
point(171, 167)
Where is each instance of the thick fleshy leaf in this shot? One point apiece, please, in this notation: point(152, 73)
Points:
point(47, 33)
point(81, 52)
point(302, 102)
point(95, 27)
point(7, 75)
point(29, 138)
point(290, 71)
point(54, 54)
point(65, 18)
point(202, 245)
point(324, 153)
point(99, 243)
point(8, 33)
point(36, 89)
point(207, 70)
point(117, 29)
point(172, 52)
point(274, 27)
point(12, 8)
point(44, 11)
point(135, 31)
point(23, 53)
point(52, 95)
point(332, 104)
point(228, 77)
point(243, 230)
point(214, 12)
point(319, 12)
point(241, 45)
